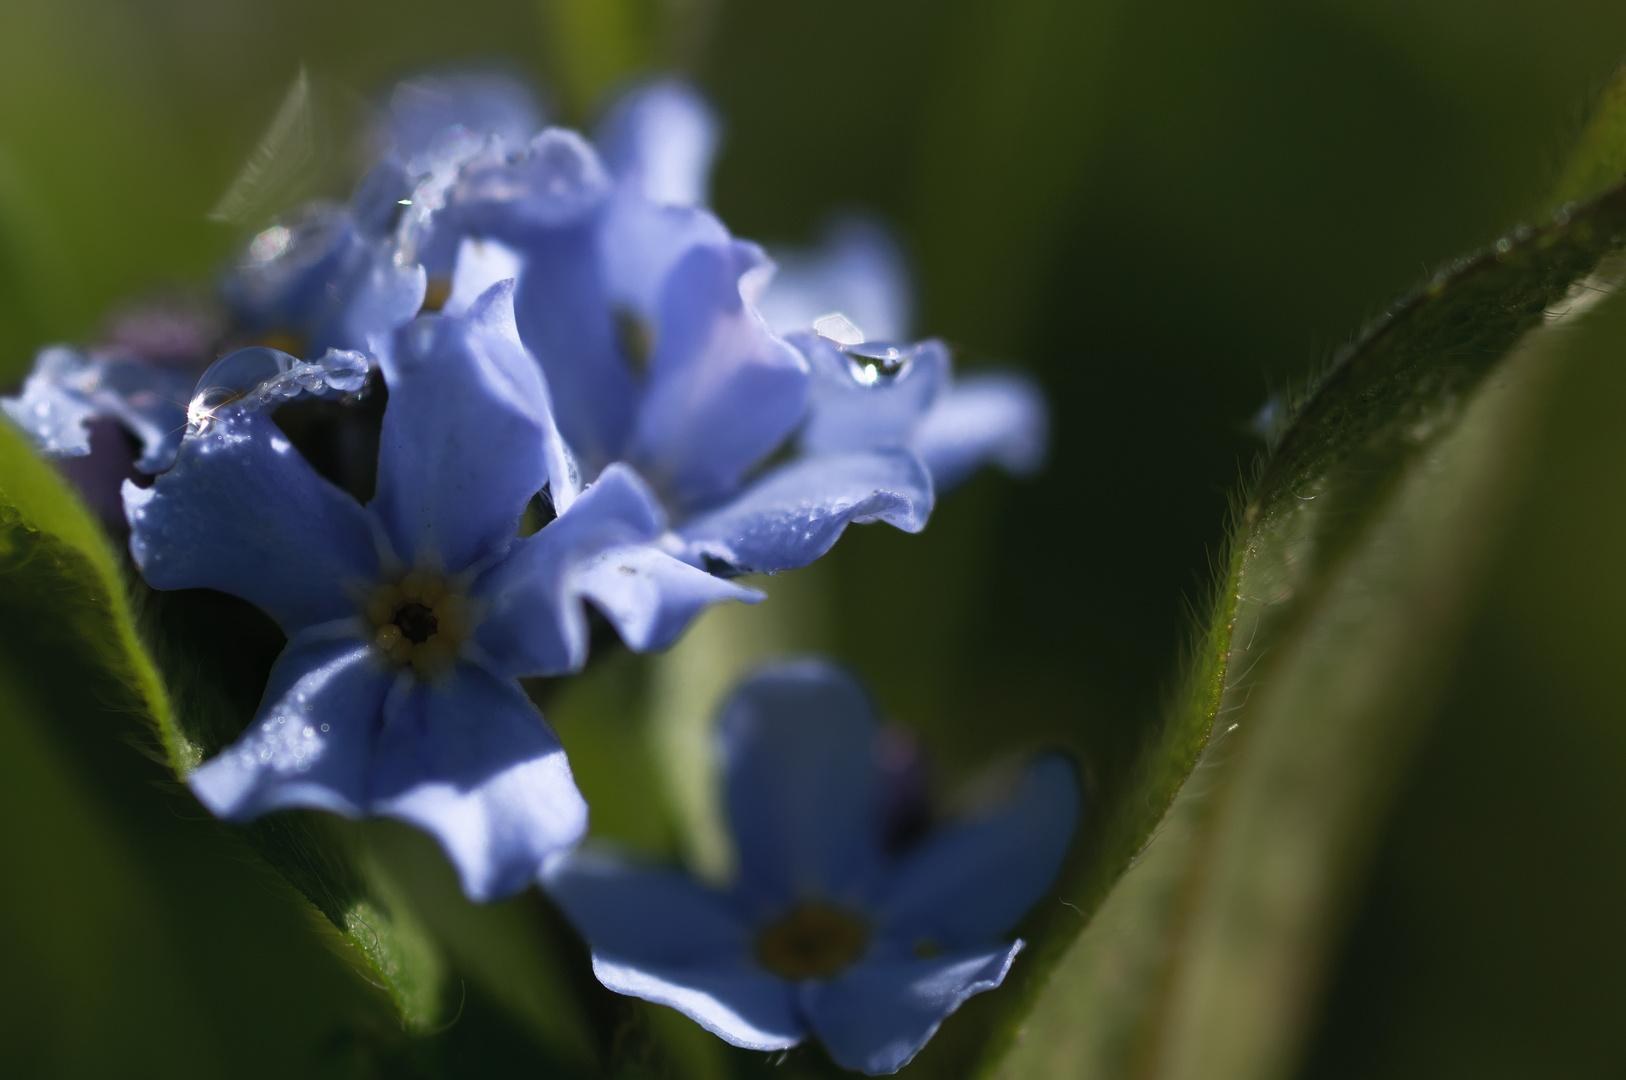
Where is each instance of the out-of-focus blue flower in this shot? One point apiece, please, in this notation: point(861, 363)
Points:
point(847, 306)
point(410, 619)
point(857, 271)
point(823, 932)
point(345, 277)
point(119, 407)
point(875, 394)
point(68, 390)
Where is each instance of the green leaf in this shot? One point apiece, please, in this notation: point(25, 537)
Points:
point(127, 910)
point(1598, 160)
point(1352, 568)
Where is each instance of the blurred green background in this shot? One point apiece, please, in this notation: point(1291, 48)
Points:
point(1164, 210)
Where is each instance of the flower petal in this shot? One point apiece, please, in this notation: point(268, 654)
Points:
point(312, 743)
point(467, 435)
point(546, 205)
point(650, 596)
point(857, 271)
point(802, 785)
point(52, 409)
point(241, 511)
point(322, 277)
point(723, 392)
point(877, 1016)
point(642, 241)
point(481, 263)
point(648, 916)
point(66, 391)
point(996, 417)
point(534, 623)
point(797, 512)
point(151, 404)
point(661, 137)
point(423, 109)
point(743, 1006)
point(472, 762)
point(847, 413)
point(658, 935)
point(972, 882)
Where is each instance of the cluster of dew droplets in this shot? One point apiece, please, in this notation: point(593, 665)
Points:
point(260, 377)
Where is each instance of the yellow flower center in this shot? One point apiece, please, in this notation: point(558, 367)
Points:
point(813, 941)
point(420, 621)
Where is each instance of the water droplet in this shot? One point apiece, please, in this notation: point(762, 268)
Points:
point(259, 376)
point(875, 362)
point(324, 727)
point(271, 244)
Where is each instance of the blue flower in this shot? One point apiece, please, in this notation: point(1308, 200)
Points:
point(661, 138)
point(69, 390)
point(118, 408)
point(823, 932)
point(345, 277)
point(858, 270)
point(870, 395)
point(410, 619)
point(642, 316)
point(846, 305)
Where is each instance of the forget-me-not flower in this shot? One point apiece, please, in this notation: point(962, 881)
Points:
point(341, 276)
point(410, 619)
point(642, 314)
point(117, 408)
point(856, 284)
point(847, 306)
point(823, 932)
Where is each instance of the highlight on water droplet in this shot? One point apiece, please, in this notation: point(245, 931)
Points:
point(259, 377)
point(872, 362)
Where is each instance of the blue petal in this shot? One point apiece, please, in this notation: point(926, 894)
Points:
point(473, 763)
point(481, 263)
point(641, 242)
point(290, 269)
point(741, 1006)
point(650, 596)
point(557, 182)
point(970, 883)
point(658, 935)
point(424, 109)
point(534, 623)
point(851, 407)
point(466, 436)
point(382, 296)
point(241, 511)
point(997, 417)
point(547, 207)
point(877, 1016)
point(857, 271)
point(323, 278)
point(67, 390)
point(652, 917)
point(54, 408)
point(661, 138)
point(151, 404)
point(795, 513)
point(802, 786)
point(312, 743)
point(722, 391)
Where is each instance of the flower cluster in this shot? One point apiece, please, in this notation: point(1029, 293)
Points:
point(592, 395)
